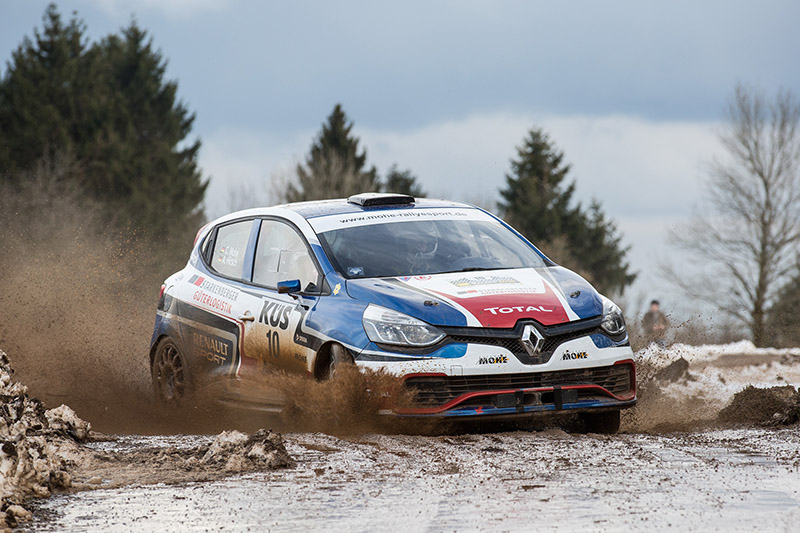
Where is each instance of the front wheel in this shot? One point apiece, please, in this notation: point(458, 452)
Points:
point(171, 385)
point(605, 422)
point(339, 358)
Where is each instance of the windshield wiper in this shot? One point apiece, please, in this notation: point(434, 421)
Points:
point(479, 269)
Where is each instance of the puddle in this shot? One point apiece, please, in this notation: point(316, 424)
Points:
point(697, 481)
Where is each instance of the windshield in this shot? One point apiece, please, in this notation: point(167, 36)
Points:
point(422, 247)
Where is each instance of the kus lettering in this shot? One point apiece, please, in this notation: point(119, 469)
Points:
point(275, 315)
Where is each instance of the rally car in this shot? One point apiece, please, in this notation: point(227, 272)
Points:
point(473, 318)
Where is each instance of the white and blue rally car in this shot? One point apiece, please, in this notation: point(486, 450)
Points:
point(447, 297)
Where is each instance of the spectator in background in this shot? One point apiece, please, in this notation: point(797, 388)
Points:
point(655, 324)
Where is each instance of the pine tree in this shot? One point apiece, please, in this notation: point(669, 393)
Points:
point(108, 108)
point(539, 204)
point(138, 163)
point(334, 168)
point(402, 182)
point(534, 200)
point(601, 253)
point(46, 95)
point(783, 319)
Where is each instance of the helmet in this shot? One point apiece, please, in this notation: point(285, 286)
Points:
point(419, 240)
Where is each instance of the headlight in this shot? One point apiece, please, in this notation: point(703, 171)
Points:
point(385, 326)
point(613, 322)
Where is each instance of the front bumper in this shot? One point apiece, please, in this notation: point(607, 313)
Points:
point(607, 387)
point(479, 380)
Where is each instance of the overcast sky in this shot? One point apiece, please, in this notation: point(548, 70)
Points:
point(631, 91)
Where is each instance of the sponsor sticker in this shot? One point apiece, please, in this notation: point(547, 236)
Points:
point(496, 360)
point(458, 285)
point(215, 288)
point(212, 301)
point(415, 278)
point(568, 355)
point(475, 281)
point(275, 314)
point(332, 222)
point(229, 256)
point(211, 348)
point(519, 309)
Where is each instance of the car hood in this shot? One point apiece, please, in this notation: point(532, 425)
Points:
point(496, 298)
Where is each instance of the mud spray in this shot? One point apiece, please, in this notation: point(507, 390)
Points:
point(54, 450)
point(78, 307)
point(684, 388)
point(77, 319)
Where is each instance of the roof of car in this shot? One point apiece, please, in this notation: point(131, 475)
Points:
point(343, 207)
point(320, 208)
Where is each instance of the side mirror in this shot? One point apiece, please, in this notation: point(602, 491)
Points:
point(289, 287)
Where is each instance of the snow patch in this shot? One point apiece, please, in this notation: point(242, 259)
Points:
point(682, 385)
point(31, 462)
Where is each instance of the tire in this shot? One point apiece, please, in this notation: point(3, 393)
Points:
point(171, 384)
point(604, 422)
point(338, 357)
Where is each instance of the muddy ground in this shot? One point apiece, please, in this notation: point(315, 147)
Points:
point(693, 455)
point(78, 307)
point(733, 479)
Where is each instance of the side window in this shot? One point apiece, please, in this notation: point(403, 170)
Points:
point(282, 255)
point(205, 249)
point(229, 248)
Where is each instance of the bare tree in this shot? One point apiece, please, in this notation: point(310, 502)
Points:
point(243, 194)
point(748, 234)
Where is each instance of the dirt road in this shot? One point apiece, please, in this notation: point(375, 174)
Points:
point(734, 479)
point(677, 464)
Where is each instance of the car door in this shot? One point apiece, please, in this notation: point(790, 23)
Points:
point(272, 337)
point(212, 301)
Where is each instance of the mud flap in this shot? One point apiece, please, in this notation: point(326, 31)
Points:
point(561, 396)
point(514, 399)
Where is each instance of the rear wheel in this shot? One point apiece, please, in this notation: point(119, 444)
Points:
point(605, 422)
point(171, 385)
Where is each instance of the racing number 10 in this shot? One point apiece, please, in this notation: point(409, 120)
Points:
point(273, 344)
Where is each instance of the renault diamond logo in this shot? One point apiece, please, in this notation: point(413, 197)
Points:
point(532, 340)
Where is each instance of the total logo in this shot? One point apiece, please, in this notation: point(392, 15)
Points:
point(519, 309)
point(496, 360)
point(574, 355)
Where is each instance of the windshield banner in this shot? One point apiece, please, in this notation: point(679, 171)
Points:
point(333, 222)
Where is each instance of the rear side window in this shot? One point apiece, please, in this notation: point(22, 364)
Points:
point(229, 248)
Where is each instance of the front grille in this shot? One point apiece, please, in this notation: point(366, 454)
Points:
point(514, 344)
point(438, 390)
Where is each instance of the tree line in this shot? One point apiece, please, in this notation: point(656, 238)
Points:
point(538, 199)
point(102, 119)
point(105, 115)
